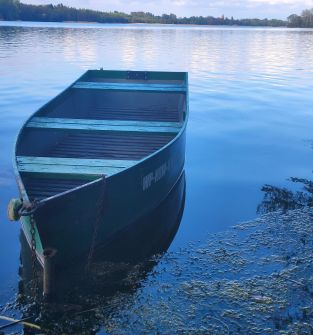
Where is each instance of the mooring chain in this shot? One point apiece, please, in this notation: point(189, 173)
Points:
point(33, 251)
point(99, 213)
point(28, 209)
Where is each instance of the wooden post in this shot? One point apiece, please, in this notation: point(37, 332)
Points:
point(48, 273)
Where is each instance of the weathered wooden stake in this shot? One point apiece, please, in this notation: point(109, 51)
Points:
point(48, 273)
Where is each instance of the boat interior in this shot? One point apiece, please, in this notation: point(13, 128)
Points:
point(106, 122)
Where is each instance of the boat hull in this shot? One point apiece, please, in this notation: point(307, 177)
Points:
point(67, 222)
point(97, 158)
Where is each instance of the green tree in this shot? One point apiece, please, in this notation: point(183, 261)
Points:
point(9, 9)
point(13, 10)
point(307, 18)
point(294, 20)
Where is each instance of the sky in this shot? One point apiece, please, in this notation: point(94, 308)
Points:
point(279, 9)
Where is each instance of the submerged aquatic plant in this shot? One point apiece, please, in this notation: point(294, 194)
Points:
point(254, 279)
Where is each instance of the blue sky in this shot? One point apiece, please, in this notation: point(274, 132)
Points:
point(237, 8)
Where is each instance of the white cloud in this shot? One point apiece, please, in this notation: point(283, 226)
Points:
point(236, 8)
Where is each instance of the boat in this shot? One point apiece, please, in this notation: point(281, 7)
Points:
point(116, 263)
point(98, 157)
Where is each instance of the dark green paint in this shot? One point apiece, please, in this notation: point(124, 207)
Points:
point(66, 221)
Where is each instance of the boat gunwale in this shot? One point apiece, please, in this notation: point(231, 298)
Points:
point(17, 173)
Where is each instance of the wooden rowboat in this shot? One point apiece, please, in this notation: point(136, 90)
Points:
point(97, 157)
point(115, 260)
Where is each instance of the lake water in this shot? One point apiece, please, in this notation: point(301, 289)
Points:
point(251, 114)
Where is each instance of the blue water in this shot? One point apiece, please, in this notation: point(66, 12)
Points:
point(250, 120)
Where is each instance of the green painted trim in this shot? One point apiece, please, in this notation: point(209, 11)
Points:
point(46, 175)
point(25, 220)
point(163, 88)
point(118, 74)
point(104, 125)
point(77, 161)
point(73, 166)
point(107, 122)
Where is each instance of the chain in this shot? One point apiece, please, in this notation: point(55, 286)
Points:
point(33, 250)
point(27, 210)
point(99, 212)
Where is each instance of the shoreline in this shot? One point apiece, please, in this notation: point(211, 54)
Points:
point(150, 24)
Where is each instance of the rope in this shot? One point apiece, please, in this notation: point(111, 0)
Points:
point(100, 208)
point(14, 321)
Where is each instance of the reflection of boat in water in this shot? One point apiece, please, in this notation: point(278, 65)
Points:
point(97, 158)
point(150, 235)
point(119, 272)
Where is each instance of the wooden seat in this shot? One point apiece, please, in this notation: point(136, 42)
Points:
point(105, 125)
point(162, 88)
point(74, 166)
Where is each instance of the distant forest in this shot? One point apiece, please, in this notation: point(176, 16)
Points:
point(15, 10)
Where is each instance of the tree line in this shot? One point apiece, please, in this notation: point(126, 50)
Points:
point(16, 10)
point(305, 20)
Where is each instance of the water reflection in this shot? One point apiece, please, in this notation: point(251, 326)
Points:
point(75, 47)
point(282, 198)
point(297, 196)
point(250, 110)
point(119, 267)
point(220, 51)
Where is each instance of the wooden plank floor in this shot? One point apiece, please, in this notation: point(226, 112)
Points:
point(41, 188)
point(138, 114)
point(126, 146)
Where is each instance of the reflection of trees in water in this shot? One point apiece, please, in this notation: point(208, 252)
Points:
point(281, 198)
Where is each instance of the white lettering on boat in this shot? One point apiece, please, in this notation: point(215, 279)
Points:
point(155, 176)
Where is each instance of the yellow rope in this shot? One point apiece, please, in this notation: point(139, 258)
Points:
point(28, 324)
